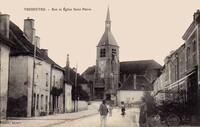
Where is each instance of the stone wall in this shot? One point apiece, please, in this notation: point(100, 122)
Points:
point(4, 62)
point(128, 96)
point(19, 82)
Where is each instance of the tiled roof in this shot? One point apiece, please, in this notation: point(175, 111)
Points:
point(80, 79)
point(90, 70)
point(131, 67)
point(138, 67)
point(6, 41)
point(24, 47)
point(141, 82)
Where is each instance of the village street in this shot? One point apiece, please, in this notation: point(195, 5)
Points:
point(129, 120)
point(88, 118)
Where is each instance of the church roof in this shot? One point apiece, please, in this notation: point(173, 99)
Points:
point(138, 67)
point(90, 70)
point(141, 82)
point(107, 38)
point(131, 67)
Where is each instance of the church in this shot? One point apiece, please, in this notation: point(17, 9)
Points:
point(109, 75)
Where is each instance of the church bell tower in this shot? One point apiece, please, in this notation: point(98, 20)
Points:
point(107, 65)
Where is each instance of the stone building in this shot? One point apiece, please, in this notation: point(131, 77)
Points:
point(32, 84)
point(135, 78)
point(30, 66)
point(5, 47)
point(74, 101)
point(107, 65)
point(182, 71)
point(192, 44)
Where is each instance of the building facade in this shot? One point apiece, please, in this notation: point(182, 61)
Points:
point(135, 78)
point(5, 47)
point(32, 75)
point(182, 70)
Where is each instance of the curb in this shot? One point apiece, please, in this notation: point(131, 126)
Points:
point(42, 118)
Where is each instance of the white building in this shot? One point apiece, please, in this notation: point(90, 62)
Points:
point(26, 70)
point(5, 45)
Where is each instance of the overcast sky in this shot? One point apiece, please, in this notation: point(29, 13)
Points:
point(144, 29)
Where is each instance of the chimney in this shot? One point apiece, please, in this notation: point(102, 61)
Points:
point(37, 40)
point(29, 29)
point(4, 24)
point(45, 51)
point(67, 67)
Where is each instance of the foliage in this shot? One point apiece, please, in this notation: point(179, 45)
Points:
point(17, 107)
point(170, 106)
point(79, 94)
point(56, 91)
point(150, 103)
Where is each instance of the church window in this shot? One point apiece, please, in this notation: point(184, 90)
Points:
point(114, 52)
point(103, 53)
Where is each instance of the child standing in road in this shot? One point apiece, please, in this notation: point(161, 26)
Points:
point(110, 110)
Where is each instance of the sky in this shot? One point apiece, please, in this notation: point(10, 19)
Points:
point(144, 29)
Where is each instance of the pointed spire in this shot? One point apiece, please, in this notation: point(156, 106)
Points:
point(108, 22)
point(108, 15)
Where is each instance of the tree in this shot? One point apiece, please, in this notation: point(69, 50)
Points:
point(150, 103)
point(79, 94)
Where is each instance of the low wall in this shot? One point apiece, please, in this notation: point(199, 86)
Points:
point(129, 97)
point(82, 105)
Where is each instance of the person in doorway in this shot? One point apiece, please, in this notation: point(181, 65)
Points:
point(103, 110)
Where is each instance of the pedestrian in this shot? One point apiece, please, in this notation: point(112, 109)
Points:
point(143, 114)
point(123, 109)
point(110, 110)
point(103, 110)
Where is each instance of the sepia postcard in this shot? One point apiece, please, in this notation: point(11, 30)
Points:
point(107, 63)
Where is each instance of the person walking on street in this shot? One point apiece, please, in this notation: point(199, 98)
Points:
point(110, 110)
point(103, 110)
point(123, 110)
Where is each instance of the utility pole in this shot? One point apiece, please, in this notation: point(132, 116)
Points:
point(33, 83)
point(75, 84)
